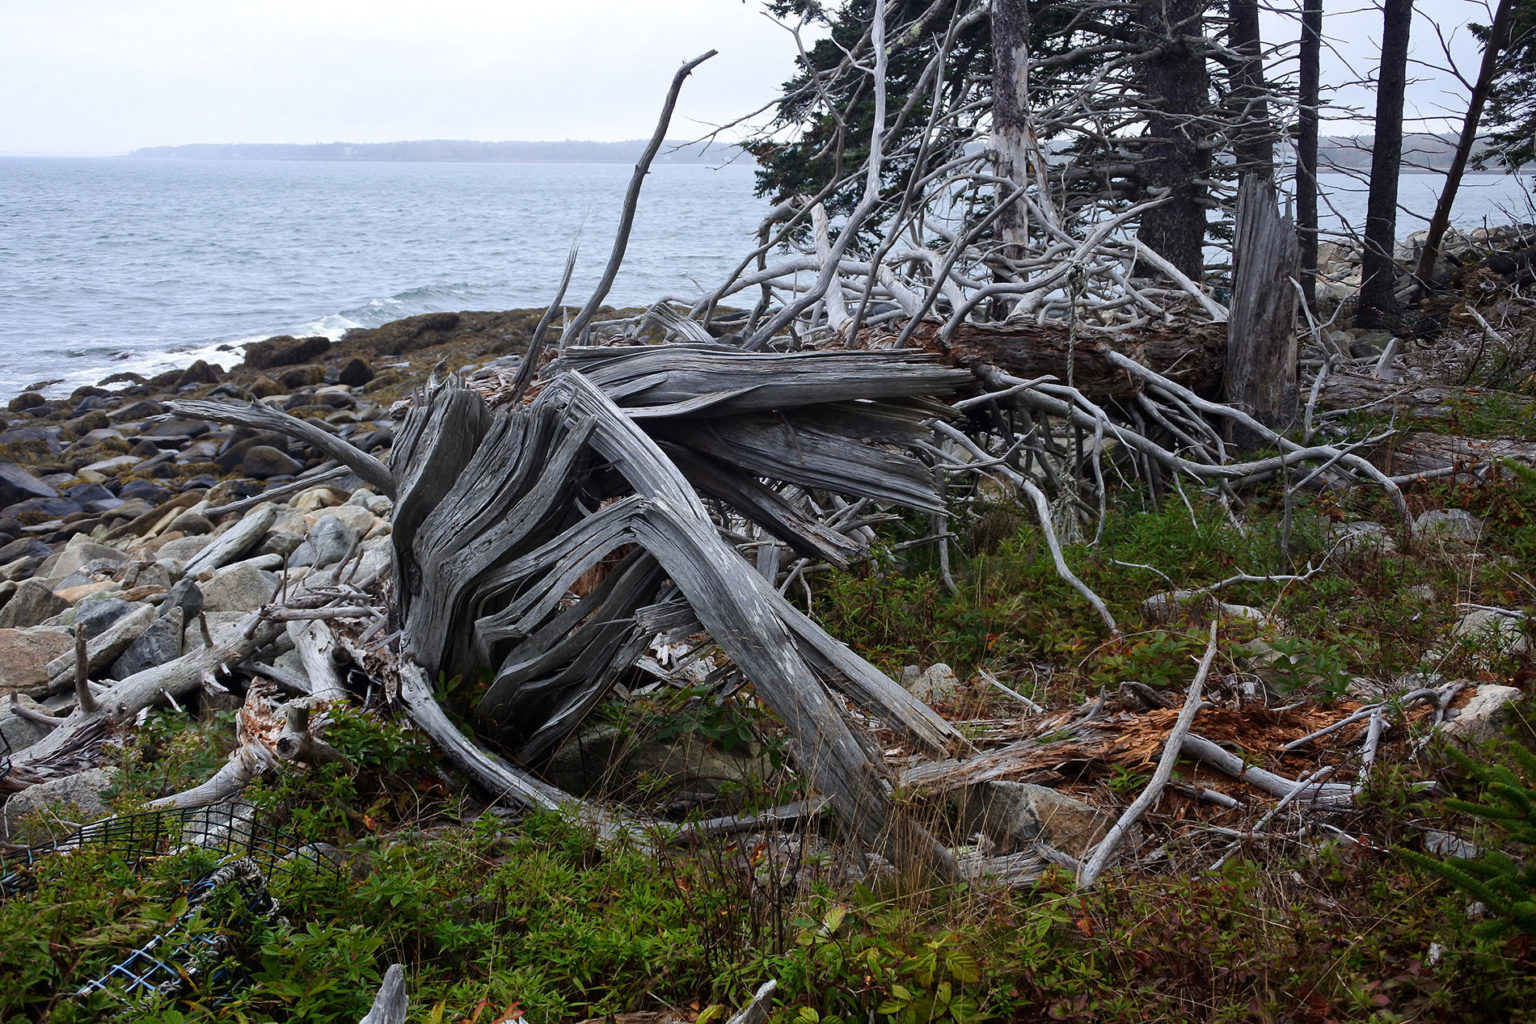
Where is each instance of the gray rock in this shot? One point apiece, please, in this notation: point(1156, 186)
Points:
point(103, 649)
point(158, 644)
point(1370, 343)
point(233, 545)
point(21, 732)
point(326, 544)
point(1503, 629)
point(220, 626)
point(242, 587)
point(79, 553)
point(16, 484)
point(56, 807)
point(183, 549)
point(25, 655)
point(1364, 537)
point(263, 461)
point(193, 524)
point(1484, 716)
point(1014, 815)
point(1450, 525)
point(96, 617)
point(187, 596)
point(934, 685)
point(33, 602)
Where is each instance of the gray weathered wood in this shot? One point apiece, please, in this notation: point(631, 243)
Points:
point(259, 417)
point(1261, 327)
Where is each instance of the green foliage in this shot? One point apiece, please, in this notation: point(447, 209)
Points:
point(1504, 882)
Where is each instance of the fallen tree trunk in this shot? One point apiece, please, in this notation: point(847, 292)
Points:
point(1188, 354)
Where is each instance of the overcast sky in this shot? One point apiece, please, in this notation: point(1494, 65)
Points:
point(108, 76)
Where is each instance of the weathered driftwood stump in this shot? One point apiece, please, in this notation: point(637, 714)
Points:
point(532, 542)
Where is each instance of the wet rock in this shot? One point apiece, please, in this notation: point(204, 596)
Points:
point(33, 602)
point(263, 462)
point(159, 643)
point(25, 654)
point(242, 587)
point(284, 350)
point(1484, 716)
point(17, 484)
point(26, 400)
point(53, 809)
point(146, 490)
point(83, 426)
point(200, 372)
point(355, 374)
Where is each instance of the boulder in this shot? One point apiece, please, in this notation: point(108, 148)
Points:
point(1364, 537)
point(21, 732)
point(327, 543)
point(200, 372)
point(55, 808)
point(355, 374)
point(1484, 716)
point(16, 484)
point(263, 461)
point(284, 350)
point(96, 617)
point(242, 587)
point(1014, 815)
point(187, 596)
point(79, 553)
point(302, 376)
point(33, 602)
point(1451, 526)
point(1502, 629)
point(25, 654)
point(26, 400)
point(936, 684)
point(158, 644)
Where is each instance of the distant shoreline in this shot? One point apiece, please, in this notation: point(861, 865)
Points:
point(450, 151)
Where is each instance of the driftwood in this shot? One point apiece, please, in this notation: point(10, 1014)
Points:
point(1188, 354)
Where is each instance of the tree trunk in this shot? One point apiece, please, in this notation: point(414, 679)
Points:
point(1497, 34)
point(1377, 287)
point(1254, 147)
point(1175, 160)
point(1261, 331)
point(1306, 146)
point(1010, 89)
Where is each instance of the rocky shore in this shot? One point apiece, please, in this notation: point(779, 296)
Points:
point(149, 532)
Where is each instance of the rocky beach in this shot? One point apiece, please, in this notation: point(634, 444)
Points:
point(146, 531)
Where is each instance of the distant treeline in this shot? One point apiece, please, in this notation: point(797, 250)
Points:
point(446, 150)
point(1421, 152)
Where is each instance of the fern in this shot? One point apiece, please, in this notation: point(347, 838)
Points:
point(1505, 884)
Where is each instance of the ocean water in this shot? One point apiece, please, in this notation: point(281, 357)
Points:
point(133, 264)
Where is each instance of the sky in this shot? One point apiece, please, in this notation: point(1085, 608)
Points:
point(108, 76)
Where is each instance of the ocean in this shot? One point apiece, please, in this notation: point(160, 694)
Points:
point(120, 264)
